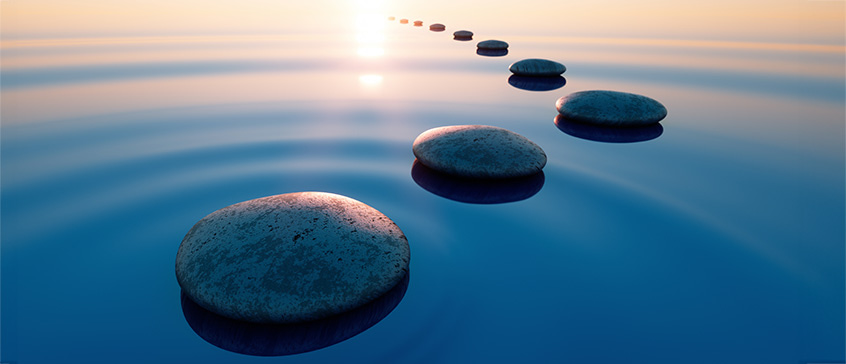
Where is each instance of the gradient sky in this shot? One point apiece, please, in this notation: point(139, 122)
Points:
point(777, 21)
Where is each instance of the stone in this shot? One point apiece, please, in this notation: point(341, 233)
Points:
point(403, 21)
point(492, 45)
point(537, 68)
point(463, 34)
point(437, 27)
point(291, 258)
point(611, 108)
point(391, 18)
point(418, 23)
point(478, 151)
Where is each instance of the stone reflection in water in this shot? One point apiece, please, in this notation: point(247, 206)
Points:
point(609, 134)
point(286, 339)
point(491, 52)
point(530, 83)
point(476, 190)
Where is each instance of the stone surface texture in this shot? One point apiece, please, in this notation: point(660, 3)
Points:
point(537, 67)
point(291, 258)
point(463, 34)
point(478, 151)
point(492, 44)
point(611, 108)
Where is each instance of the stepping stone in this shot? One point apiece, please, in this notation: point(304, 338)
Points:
point(291, 258)
point(478, 151)
point(611, 108)
point(492, 45)
point(437, 27)
point(537, 68)
point(462, 35)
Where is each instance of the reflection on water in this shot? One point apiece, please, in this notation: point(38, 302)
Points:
point(477, 191)
point(537, 83)
point(608, 134)
point(286, 339)
point(492, 52)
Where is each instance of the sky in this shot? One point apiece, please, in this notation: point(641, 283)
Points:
point(775, 21)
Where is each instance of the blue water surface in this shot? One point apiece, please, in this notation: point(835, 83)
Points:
point(720, 240)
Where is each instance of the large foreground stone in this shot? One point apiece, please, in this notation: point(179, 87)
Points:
point(291, 258)
point(611, 108)
point(478, 151)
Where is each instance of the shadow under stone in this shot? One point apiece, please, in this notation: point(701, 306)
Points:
point(491, 52)
point(529, 83)
point(608, 134)
point(286, 339)
point(476, 190)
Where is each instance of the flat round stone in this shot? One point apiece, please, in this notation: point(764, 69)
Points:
point(291, 258)
point(391, 18)
point(463, 34)
point(478, 151)
point(611, 108)
point(437, 27)
point(537, 67)
point(403, 21)
point(492, 45)
point(418, 23)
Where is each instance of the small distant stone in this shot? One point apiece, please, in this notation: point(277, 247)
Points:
point(612, 108)
point(463, 34)
point(492, 45)
point(478, 151)
point(403, 21)
point(437, 27)
point(418, 23)
point(391, 18)
point(291, 258)
point(537, 67)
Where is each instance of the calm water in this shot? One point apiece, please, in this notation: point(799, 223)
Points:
point(717, 239)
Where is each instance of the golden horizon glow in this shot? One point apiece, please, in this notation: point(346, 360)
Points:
point(771, 21)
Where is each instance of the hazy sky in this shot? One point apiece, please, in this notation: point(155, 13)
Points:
point(786, 21)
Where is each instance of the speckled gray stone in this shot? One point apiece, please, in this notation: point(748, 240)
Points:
point(463, 34)
point(492, 45)
point(437, 27)
point(478, 151)
point(611, 108)
point(537, 67)
point(291, 258)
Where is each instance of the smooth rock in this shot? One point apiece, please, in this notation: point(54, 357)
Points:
point(418, 23)
point(611, 108)
point(492, 45)
point(437, 27)
point(463, 34)
point(478, 151)
point(291, 258)
point(403, 21)
point(391, 18)
point(537, 67)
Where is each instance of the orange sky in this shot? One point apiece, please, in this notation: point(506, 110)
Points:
point(782, 21)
